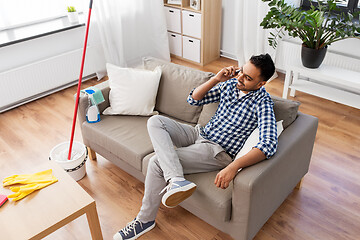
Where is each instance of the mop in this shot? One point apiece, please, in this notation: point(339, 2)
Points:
point(33, 182)
point(79, 83)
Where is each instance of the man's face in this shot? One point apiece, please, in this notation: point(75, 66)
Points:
point(249, 78)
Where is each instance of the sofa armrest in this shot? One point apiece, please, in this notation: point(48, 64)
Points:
point(260, 189)
point(83, 101)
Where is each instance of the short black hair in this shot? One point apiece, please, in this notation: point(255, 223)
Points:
point(265, 64)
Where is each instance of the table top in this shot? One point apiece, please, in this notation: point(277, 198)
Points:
point(43, 208)
point(330, 74)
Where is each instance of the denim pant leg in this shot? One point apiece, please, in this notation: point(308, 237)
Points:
point(154, 183)
point(202, 156)
point(166, 133)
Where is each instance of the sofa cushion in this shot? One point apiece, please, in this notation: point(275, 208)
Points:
point(176, 82)
point(207, 112)
point(207, 197)
point(124, 136)
point(253, 139)
point(133, 91)
point(284, 109)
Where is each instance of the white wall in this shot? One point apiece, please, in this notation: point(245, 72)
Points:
point(27, 52)
point(348, 47)
point(41, 66)
point(228, 27)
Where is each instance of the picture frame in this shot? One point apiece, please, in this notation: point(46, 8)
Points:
point(195, 4)
point(176, 2)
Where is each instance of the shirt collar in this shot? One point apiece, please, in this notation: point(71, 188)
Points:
point(236, 92)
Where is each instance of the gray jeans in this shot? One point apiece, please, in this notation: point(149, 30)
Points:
point(179, 149)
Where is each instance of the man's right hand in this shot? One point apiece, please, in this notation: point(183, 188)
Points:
point(226, 73)
point(222, 76)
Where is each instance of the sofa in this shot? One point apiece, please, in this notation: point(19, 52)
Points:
point(256, 191)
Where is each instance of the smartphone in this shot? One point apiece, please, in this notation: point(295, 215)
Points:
point(236, 73)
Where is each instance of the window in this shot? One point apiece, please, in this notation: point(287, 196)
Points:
point(14, 13)
point(344, 5)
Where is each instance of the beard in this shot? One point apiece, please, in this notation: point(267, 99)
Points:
point(240, 86)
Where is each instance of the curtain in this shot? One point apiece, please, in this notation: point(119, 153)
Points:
point(132, 29)
point(250, 37)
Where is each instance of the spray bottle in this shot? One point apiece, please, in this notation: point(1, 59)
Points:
point(92, 112)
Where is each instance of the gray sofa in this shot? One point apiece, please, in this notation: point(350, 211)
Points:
point(256, 192)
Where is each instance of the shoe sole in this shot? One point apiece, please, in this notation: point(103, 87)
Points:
point(174, 199)
point(140, 234)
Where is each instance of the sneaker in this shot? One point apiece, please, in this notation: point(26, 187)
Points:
point(176, 192)
point(133, 230)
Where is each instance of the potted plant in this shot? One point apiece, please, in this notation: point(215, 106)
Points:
point(72, 14)
point(317, 27)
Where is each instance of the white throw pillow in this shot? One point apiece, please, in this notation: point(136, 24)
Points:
point(132, 91)
point(253, 139)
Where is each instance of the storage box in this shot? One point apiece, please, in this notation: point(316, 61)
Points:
point(173, 19)
point(191, 49)
point(175, 44)
point(191, 24)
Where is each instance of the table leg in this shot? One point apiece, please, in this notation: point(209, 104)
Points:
point(94, 223)
point(298, 186)
point(91, 153)
point(287, 83)
point(295, 78)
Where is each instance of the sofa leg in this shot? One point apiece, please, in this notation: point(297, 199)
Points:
point(91, 154)
point(298, 186)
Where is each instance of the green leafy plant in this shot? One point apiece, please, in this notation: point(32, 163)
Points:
point(317, 27)
point(71, 9)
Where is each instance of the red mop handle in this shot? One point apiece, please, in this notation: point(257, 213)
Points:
point(79, 83)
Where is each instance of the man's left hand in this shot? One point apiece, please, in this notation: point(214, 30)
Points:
point(225, 176)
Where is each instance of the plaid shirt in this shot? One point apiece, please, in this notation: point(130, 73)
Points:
point(236, 118)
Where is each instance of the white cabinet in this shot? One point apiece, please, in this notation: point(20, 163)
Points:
point(191, 49)
point(175, 43)
point(173, 19)
point(194, 35)
point(191, 24)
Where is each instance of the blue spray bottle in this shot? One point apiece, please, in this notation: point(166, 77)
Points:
point(92, 112)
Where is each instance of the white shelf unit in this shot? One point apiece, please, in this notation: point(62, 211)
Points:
point(194, 35)
point(329, 82)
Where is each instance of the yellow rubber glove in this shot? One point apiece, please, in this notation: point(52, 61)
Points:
point(23, 191)
point(19, 195)
point(44, 176)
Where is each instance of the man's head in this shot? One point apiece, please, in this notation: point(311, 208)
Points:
point(255, 73)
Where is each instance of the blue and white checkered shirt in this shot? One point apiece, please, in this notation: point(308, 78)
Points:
point(236, 118)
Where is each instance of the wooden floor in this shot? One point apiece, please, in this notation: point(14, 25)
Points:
point(326, 207)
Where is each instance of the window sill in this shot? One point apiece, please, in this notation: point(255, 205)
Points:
point(21, 34)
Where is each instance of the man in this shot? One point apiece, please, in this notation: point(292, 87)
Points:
point(244, 105)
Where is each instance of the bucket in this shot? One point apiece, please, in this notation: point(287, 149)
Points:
point(75, 167)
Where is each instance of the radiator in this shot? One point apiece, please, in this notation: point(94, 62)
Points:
point(41, 78)
point(290, 53)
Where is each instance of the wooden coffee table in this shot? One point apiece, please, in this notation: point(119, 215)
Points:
point(48, 209)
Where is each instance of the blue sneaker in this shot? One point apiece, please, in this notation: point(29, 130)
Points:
point(176, 192)
point(133, 230)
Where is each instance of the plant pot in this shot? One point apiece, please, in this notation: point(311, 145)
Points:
point(73, 17)
point(312, 58)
